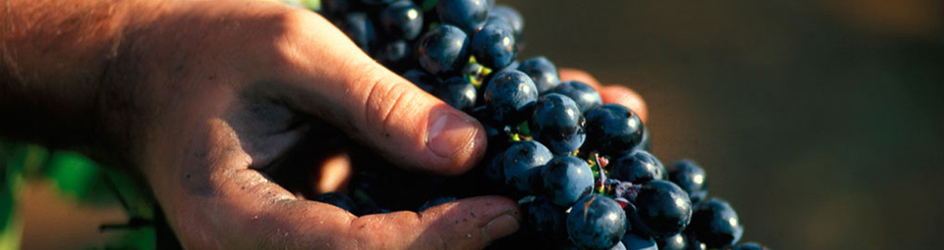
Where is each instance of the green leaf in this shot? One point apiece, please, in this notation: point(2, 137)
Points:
point(79, 178)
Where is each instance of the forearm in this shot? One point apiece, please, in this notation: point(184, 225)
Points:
point(55, 58)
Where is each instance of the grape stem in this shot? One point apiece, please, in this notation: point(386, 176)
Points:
point(602, 177)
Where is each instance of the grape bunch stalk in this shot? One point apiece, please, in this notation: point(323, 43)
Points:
point(581, 169)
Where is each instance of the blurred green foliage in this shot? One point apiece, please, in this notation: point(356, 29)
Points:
point(77, 179)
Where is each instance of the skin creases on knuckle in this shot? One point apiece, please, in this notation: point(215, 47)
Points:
point(388, 103)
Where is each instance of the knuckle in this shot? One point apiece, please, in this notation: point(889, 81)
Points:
point(389, 101)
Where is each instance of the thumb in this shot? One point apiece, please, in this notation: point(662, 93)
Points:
point(338, 82)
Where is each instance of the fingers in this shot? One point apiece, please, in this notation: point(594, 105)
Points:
point(247, 215)
point(610, 94)
point(471, 223)
point(332, 78)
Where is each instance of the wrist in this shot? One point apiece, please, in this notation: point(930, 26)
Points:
point(56, 58)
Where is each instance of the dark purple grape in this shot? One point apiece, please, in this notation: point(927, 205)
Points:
point(443, 51)
point(691, 178)
point(456, 91)
point(715, 224)
point(748, 246)
point(637, 167)
point(558, 124)
point(585, 96)
point(566, 178)
point(662, 208)
point(402, 20)
point(633, 241)
point(357, 27)
point(421, 79)
point(509, 97)
point(469, 15)
point(596, 222)
point(494, 45)
point(542, 72)
point(545, 219)
point(522, 164)
point(394, 55)
point(510, 15)
point(338, 200)
point(612, 129)
point(488, 78)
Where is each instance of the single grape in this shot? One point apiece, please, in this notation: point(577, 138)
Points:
point(585, 96)
point(522, 164)
point(494, 45)
point(662, 208)
point(637, 167)
point(488, 78)
point(510, 15)
point(612, 129)
point(358, 27)
point(443, 50)
point(469, 15)
point(715, 224)
point(691, 178)
point(542, 72)
point(596, 222)
point(509, 97)
point(456, 91)
point(402, 20)
point(566, 178)
point(558, 124)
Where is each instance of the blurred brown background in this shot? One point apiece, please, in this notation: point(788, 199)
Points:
point(819, 122)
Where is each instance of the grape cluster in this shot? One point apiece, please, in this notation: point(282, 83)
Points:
point(581, 169)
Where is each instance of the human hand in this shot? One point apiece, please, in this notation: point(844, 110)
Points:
point(204, 97)
point(221, 91)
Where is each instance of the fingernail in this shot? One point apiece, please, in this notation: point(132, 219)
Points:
point(501, 226)
point(448, 133)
